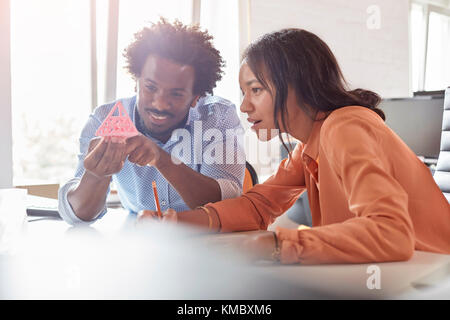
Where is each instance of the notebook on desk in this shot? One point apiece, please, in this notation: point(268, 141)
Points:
point(42, 207)
point(47, 207)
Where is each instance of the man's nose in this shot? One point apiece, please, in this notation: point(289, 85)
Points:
point(160, 101)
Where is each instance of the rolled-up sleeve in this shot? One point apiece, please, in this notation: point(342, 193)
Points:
point(229, 176)
point(258, 208)
point(64, 208)
point(229, 189)
point(224, 154)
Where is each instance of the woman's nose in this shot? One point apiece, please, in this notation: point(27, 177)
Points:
point(246, 106)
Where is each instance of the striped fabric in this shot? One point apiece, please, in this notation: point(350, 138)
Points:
point(134, 183)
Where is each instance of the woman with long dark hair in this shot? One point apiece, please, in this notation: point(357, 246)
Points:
point(371, 198)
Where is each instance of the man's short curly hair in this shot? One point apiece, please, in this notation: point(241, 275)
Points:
point(186, 45)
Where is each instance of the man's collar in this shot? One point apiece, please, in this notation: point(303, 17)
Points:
point(189, 117)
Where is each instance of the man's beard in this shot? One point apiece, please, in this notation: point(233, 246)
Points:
point(142, 127)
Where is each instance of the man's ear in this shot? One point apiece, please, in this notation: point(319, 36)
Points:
point(194, 101)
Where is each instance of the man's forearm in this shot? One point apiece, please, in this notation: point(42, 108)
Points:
point(195, 188)
point(89, 197)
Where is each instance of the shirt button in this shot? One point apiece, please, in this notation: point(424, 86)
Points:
point(163, 203)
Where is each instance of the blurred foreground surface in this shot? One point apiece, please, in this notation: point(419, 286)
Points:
point(116, 259)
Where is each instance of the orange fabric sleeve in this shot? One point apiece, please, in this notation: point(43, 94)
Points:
point(259, 207)
point(248, 183)
point(381, 229)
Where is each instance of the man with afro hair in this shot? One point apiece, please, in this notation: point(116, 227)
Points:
point(181, 125)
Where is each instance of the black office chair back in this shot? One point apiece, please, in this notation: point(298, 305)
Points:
point(252, 172)
point(442, 173)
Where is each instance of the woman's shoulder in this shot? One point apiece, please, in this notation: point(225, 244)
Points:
point(352, 115)
point(354, 123)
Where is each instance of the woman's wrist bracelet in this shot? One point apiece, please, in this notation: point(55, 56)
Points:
point(276, 251)
point(208, 213)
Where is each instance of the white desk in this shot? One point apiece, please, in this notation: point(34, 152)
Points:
point(106, 260)
point(424, 273)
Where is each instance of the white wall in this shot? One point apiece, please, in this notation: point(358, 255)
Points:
point(5, 97)
point(373, 53)
point(370, 39)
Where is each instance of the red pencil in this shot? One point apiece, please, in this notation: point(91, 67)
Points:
point(155, 193)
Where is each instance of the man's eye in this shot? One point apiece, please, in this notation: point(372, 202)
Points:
point(177, 95)
point(152, 88)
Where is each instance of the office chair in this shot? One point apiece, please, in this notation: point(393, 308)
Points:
point(250, 178)
point(442, 173)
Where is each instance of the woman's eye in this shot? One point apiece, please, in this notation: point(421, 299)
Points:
point(256, 90)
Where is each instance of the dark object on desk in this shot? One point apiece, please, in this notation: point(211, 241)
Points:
point(41, 218)
point(113, 200)
point(42, 207)
point(435, 93)
point(442, 173)
point(42, 212)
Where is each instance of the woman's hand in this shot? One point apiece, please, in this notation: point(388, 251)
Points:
point(260, 247)
point(170, 216)
point(256, 247)
point(250, 247)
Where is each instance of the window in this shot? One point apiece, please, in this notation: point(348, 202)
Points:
point(51, 76)
point(61, 68)
point(220, 18)
point(430, 47)
point(437, 76)
point(50, 81)
point(418, 27)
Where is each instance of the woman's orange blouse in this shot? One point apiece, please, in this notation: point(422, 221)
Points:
point(371, 198)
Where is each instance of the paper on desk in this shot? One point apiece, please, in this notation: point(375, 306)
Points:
point(13, 217)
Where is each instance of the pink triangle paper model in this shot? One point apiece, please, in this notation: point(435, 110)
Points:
point(117, 126)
